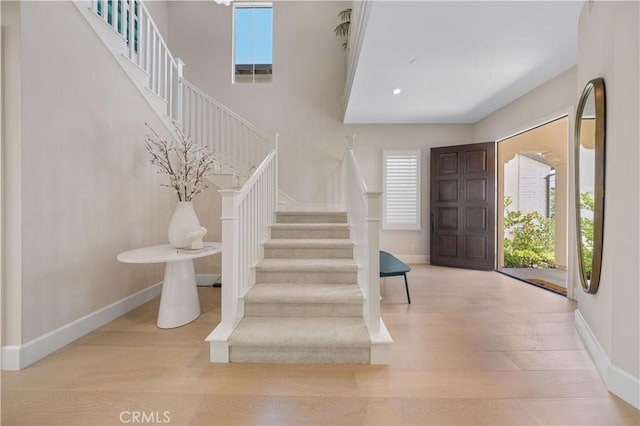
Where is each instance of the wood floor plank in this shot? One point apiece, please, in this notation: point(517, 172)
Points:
point(582, 411)
point(413, 360)
point(495, 384)
point(473, 348)
point(422, 412)
point(552, 360)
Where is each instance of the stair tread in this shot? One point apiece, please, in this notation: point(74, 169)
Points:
point(300, 332)
point(308, 243)
point(311, 225)
point(320, 265)
point(311, 213)
point(304, 293)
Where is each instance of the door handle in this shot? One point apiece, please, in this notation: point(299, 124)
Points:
point(433, 223)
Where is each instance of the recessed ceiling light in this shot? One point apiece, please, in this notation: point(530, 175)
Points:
point(396, 91)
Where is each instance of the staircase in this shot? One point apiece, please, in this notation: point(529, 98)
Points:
point(304, 289)
point(306, 306)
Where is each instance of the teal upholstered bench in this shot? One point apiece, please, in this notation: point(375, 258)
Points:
point(391, 266)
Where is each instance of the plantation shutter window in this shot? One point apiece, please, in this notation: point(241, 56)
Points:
point(401, 186)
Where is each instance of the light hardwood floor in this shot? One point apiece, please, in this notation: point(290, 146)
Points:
point(474, 348)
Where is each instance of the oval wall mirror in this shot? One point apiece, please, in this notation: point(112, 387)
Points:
point(589, 175)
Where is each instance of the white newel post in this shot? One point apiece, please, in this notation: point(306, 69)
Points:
point(230, 255)
point(373, 235)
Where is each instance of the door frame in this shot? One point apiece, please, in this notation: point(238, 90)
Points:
point(573, 279)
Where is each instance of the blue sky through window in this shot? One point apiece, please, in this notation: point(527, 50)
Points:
point(254, 29)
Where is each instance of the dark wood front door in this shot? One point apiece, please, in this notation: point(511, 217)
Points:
point(463, 206)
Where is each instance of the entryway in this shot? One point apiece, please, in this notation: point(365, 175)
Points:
point(532, 194)
point(515, 224)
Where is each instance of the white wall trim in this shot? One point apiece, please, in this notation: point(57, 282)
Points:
point(17, 357)
point(414, 258)
point(617, 380)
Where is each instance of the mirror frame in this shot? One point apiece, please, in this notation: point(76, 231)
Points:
point(597, 87)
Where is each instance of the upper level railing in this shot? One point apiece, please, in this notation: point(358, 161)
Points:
point(363, 208)
point(239, 145)
point(145, 47)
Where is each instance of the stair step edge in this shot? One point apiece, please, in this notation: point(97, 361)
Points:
point(300, 332)
point(308, 243)
point(300, 294)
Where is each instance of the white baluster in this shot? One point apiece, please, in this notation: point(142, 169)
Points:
point(171, 104)
point(130, 30)
point(105, 11)
point(165, 75)
point(147, 51)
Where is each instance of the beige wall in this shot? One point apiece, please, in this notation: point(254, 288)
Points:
point(548, 101)
point(424, 137)
point(11, 174)
point(88, 192)
point(303, 102)
point(608, 48)
point(159, 11)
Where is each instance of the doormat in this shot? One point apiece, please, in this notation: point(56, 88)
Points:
point(547, 284)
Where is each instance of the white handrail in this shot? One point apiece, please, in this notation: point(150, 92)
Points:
point(363, 208)
point(237, 142)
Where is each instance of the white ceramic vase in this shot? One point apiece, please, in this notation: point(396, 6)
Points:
point(184, 228)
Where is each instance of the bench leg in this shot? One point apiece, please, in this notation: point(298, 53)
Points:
point(406, 285)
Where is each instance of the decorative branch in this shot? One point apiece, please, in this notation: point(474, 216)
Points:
point(186, 163)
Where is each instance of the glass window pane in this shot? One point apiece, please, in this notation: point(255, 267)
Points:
point(263, 20)
point(253, 50)
point(263, 50)
point(244, 49)
point(244, 19)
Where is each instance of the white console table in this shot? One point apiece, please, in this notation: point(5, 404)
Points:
point(179, 303)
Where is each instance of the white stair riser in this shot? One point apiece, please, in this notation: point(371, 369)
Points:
point(303, 310)
point(308, 253)
point(317, 218)
point(299, 355)
point(293, 277)
point(309, 233)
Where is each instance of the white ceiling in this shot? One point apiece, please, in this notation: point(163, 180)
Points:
point(473, 57)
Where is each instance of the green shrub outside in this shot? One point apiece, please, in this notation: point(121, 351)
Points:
point(529, 238)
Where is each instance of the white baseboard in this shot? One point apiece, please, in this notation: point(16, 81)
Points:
point(17, 357)
point(617, 380)
point(413, 258)
point(381, 346)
